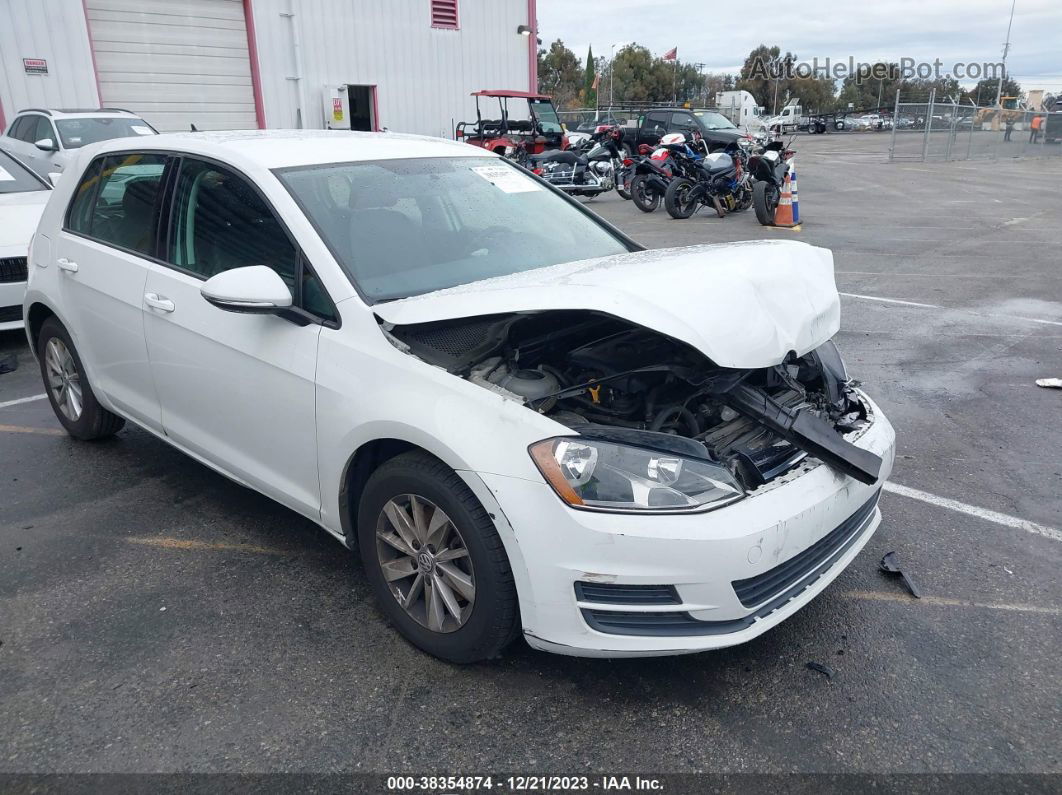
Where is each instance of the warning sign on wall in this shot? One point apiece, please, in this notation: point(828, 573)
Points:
point(35, 66)
point(337, 109)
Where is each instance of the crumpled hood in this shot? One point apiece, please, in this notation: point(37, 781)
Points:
point(743, 305)
point(19, 215)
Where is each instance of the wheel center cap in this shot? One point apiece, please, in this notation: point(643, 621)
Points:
point(426, 562)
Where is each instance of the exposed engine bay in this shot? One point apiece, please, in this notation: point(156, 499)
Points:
point(609, 379)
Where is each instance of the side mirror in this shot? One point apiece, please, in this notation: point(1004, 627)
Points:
point(255, 289)
point(46, 145)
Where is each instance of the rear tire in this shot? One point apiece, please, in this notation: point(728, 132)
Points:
point(765, 200)
point(645, 198)
point(478, 614)
point(677, 201)
point(68, 387)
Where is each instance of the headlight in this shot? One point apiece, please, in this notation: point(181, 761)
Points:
point(603, 476)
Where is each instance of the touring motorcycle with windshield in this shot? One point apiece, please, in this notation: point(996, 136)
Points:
point(588, 171)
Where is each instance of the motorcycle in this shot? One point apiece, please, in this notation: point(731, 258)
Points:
point(769, 167)
point(588, 171)
point(720, 180)
point(653, 174)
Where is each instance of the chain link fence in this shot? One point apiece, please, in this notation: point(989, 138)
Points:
point(945, 129)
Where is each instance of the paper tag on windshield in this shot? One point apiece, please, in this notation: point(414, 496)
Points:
point(140, 130)
point(506, 179)
point(5, 176)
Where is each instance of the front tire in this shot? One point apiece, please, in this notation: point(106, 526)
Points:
point(677, 199)
point(765, 200)
point(645, 198)
point(68, 387)
point(435, 560)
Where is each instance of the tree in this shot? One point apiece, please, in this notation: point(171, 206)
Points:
point(559, 74)
point(758, 74)
point(588, 96)
point(863, 91)
point(771, 78)
point(631, 75)
point(984, 93)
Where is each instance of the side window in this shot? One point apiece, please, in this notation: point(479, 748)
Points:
point(123, 209)
point(79, 215)
point(24, 128)
point(220, 222)
point(44, 130)
point(656, 123)
point(683, 122)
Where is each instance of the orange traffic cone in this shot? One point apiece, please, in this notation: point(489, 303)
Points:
point(787, 213)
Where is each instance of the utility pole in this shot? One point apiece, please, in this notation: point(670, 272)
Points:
point(1006, 49)
point(611, 76)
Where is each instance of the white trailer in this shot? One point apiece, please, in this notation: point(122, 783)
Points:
point(741, 108)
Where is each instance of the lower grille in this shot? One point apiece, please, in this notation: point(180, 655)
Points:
point(10, 313)
point(762, 587)
point(613, 594)
point(13, 269)
point(681, 623)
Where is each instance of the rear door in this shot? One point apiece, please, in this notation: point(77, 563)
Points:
point(104, 253)
point(654, 127)
point(236, 389)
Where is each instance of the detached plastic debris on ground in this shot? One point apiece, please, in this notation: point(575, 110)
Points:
point(1049, 383)
point(890, 564)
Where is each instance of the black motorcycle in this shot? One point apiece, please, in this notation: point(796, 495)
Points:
point(768, 168)
point(720, 180)
point(587, 171)
point(673, 157)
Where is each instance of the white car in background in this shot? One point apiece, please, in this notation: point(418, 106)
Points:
point(53, 137)
point(527, 423)
point(23, 195)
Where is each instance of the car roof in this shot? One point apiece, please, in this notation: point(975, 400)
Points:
point(282, 148)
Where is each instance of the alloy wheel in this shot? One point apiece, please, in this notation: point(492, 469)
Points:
point(64, 382)
point(425, 563)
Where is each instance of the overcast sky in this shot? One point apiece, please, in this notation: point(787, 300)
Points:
point(720, 35)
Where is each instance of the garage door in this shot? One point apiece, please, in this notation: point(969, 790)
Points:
point(175, 62)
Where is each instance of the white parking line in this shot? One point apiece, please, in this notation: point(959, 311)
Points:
point(29, 399)
point(952, 309)
point(972, 510)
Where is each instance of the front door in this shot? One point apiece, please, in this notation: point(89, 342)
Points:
point(236, 389)
point(103, 256)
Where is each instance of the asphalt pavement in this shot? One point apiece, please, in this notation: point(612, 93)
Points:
point(156, 617)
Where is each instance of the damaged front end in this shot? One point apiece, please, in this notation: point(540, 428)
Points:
point(660, 426)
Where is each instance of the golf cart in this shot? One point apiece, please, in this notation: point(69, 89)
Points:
point(531, 124)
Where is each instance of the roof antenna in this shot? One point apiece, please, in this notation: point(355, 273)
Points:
point(194, 129)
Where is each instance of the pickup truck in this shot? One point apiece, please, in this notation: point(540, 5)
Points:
point(650, 125)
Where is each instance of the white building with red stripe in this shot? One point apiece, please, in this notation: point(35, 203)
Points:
point(407, 65)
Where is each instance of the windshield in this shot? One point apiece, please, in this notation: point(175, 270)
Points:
point(713, 120)
point(14, 178)
point(406, 227)
point(546, 114)
point(81, 132)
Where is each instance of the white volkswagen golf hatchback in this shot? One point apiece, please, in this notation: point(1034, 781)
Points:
point(526, 423)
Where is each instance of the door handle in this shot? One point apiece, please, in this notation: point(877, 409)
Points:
point(156, 301)
point(66, 264)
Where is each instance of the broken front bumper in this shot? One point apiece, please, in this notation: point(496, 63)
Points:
point(613, 585)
